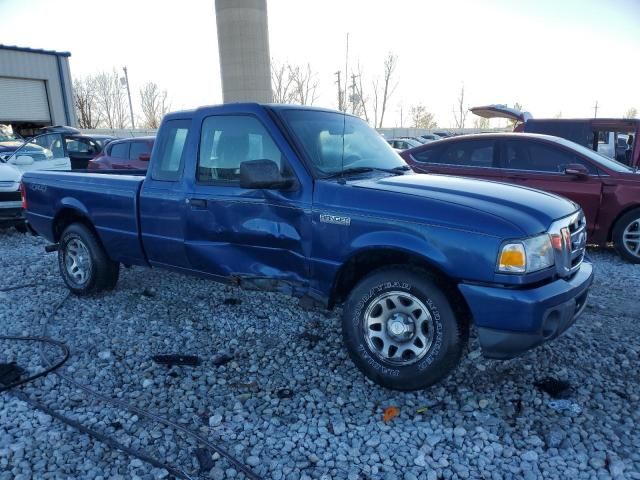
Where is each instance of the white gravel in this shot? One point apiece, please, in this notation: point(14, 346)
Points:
point(485, 421)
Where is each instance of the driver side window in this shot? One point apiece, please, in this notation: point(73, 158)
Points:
point(227, 141)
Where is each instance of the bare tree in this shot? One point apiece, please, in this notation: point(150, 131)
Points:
point(631, 113)
point(111, 100)
point(421, 118)
point(512, 123)
point(281, 82)
point(85, 102)
point(304, 84)
point(558, 115)
point(481, 123)
point(460, 111)
point(388, 85)
point(342, 104)
point(154, 104)
point(361, 110)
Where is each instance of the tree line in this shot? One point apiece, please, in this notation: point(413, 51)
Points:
point(100, 101)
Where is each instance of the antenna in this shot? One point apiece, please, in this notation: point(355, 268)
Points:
point(344, 113)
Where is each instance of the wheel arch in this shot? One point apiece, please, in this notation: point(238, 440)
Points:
point(367, 260)
point(622, 213)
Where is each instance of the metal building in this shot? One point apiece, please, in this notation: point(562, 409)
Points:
point(35, 88)
point(243, 43)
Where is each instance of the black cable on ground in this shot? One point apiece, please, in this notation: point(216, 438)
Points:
point(100, 436)
point(48, 370)
point(18, 287)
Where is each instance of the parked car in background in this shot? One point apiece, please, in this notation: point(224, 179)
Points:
point(9, 142)
point(608, 191)
point(43, 152)
point(598, 134)
point(79, 147)
point(430, 137)
point(420, 140)
point(11, 213)
point(128, 154)
point(400, 144)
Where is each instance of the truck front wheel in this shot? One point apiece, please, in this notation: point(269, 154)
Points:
point(400, 329)
point(84, 265)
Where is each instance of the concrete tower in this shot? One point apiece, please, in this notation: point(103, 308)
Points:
point(243, 42)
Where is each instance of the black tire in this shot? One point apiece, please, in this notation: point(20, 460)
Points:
point(101, 273)
point(628, 220)
point(438, 358)
point(21, 227)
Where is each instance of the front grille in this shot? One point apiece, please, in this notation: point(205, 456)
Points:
point(10, 196)
point(571, 236)
point(578, 230)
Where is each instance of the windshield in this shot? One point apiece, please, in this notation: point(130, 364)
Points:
point(321, 136)
point(603, 160)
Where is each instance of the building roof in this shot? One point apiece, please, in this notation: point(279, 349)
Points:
point(34, 50)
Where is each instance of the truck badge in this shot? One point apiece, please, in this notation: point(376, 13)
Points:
point(336, 220)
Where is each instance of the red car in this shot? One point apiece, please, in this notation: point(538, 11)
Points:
point(128, 154)
point(607, 191)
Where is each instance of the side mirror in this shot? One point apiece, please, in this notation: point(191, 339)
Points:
point(577, 170)
point(144, 157)
point(22, 160)
point(262, 174)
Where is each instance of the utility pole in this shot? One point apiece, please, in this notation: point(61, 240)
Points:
point(126, 79)
point(595, 109)
point(340, 96)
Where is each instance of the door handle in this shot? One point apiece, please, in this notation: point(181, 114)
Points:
point(197, 202)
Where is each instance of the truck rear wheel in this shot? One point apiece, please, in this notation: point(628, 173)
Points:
point(84, 265)
point(626, 236)
point(400, 329)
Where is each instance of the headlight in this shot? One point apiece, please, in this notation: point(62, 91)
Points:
point(526, 256)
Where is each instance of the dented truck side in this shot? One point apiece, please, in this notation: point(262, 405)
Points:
point(261, 196)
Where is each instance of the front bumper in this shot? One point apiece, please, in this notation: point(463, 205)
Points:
point(512, 321)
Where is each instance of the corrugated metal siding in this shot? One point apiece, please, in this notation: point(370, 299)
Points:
point(40, 66)
point(23, 100)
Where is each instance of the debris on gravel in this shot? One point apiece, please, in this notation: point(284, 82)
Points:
point(276, 388)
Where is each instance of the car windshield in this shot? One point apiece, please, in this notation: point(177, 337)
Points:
point(324, 135)
point(603, 160)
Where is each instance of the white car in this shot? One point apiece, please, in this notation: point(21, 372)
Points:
point(44, 152)
point(11, 214)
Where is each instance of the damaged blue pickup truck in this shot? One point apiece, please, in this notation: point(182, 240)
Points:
point(314, 203)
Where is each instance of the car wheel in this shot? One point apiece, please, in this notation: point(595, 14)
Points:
point(21, 227)
point(626, 236)
point(84, 265)
point(401, 330)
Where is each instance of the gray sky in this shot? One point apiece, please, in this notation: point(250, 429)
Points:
point(549, 55)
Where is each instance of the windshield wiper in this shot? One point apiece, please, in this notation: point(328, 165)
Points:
point(399, 170)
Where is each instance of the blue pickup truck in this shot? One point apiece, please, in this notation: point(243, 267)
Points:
point(314, 203)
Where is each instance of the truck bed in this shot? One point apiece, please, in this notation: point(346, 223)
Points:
point(109, 200)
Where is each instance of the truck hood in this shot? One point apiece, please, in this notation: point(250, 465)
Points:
point(501, 111)
point(530, 211)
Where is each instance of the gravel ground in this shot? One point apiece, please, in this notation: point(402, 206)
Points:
point(290, 403)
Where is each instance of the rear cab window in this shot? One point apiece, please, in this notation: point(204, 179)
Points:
point(169, 155)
